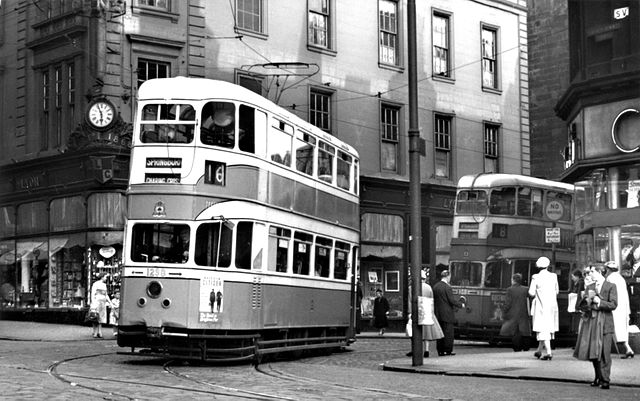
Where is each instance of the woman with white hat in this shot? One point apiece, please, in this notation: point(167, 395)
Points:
point(544, 307)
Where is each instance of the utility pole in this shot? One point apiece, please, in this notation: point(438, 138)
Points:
point(414, 186)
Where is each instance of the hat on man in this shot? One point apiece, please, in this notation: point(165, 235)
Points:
point(543, 262)
point(444, 273)
point(611, 265)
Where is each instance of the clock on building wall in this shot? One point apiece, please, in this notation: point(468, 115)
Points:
point(101, 113)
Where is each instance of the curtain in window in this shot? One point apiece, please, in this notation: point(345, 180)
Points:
point(7, 221)
point(107, 210)
point(32, 218)
point(67, 214)
point(381, 228)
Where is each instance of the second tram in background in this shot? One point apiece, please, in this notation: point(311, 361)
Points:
point(242, 228)
point(499, 229)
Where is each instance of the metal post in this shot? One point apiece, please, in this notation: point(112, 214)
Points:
point(414, 182)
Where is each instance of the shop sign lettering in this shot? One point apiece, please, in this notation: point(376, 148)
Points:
point(30, 182)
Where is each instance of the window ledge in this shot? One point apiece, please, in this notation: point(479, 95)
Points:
point(156, 13)
point(492, 90)
point(443, 78)
point(253, 34)
point(321, 50)
point(391, 67)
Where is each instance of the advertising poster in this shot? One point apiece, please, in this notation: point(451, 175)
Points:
point(211, 298)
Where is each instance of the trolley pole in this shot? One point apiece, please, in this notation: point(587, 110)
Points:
point(415, 187)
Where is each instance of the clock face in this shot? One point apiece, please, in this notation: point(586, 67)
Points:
point(101, 114)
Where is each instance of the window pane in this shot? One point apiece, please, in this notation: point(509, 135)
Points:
point(305, 149)
point(67, 214)
point(218, 124)
point(159, 243)
point(107, 210)
point(466, 274)
point(502, 201)
point(244, 237)
point(32, 218)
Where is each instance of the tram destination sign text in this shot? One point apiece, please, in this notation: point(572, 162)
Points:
point(163, 162)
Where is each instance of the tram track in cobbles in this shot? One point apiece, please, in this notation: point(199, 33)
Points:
point(81, 381)
point(267, 382)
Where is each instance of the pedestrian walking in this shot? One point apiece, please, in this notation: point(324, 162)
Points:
point(359, 296)
point(544, 307)
point(380, 312)
point(622, 311)
point(444, 302)
point(430, 332)
point(595, 336)
point(516, 312)
point(99, 302)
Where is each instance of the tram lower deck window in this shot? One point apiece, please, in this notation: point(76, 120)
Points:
point(160, 243)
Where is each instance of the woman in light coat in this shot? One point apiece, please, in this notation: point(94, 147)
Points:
point(544, 307)
point(99, 302)
point(621, 313)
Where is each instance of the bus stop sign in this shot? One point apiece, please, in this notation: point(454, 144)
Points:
point(552, 235)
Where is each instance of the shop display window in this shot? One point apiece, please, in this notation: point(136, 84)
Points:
point(7, 274)
point(32, 259)
point(67, 214)
point(608, 188)
point(68, 283)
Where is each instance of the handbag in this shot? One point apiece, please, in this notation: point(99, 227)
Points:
point(572, 298)
point(425, 311)
point(92, 316)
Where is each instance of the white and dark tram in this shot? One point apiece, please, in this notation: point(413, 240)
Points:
point(242, 231)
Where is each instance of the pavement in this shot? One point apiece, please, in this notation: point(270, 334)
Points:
point(496, 363)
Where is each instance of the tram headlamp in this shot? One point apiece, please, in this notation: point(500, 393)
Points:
point(154, 289)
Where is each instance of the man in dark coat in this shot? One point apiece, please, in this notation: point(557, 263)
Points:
point(516, 312)
point(604, 301)
point(444, 303)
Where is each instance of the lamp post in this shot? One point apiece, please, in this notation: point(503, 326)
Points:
point(414, 185)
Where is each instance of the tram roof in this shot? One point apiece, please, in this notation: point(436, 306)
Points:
point(198, 89)
point(503, 180)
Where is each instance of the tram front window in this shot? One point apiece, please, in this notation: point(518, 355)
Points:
point(468, 274)
point(160, 243)
point(471, 202)
point(497, 274)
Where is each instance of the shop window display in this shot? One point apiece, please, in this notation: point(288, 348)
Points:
point(33, 272)
point(7, 274)
point(68, 274)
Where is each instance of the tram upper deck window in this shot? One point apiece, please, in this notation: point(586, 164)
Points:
point(471, 202)
point(247, 129)
point(167, 123)
point(529, 202)
point(326, 153)
point(218, 126)
point(305, 146)
point(160, 243)
point(503, 201)
point(279, 142)
point(467, 274)
point(279, 240)
point(344, 170)
point(213, 245)
point(565, 200)
point(341, 260)
point(302, 253)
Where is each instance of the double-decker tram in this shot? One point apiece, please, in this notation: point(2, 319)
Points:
point(242, 231)
point(500, 228)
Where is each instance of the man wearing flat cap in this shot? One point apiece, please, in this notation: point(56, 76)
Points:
point(622, 311)
point(444, 302)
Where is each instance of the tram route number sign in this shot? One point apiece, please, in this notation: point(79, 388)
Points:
point(552, 235)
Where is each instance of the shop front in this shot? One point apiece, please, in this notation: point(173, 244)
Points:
point(384, 237)
point(55, 238)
